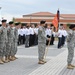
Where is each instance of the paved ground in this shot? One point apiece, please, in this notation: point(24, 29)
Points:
point(27, 62)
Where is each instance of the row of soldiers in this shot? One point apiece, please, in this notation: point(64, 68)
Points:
point(62, 35)
point(28, 35)
point(8, 41)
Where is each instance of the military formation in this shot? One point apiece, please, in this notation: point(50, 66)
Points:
point(8, 41)
point(41, 35)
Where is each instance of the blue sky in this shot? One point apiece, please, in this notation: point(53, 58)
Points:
point(17, 8)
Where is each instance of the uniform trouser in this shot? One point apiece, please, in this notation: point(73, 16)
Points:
point(47, 41)
point(27, 41)
point(36, 40)
point(41, 51)
point(2, 49)
point(52, 40)
point(23, 39)
point(19, 39)
point(63, 40)
point(59, 42)
point(31, 40)
point(70, 53)
point(9, 48)
point(15, 48)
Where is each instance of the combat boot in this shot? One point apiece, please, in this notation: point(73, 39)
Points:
point(6, 59)
point(70, 67)
point(12, 58)
point(15, 57)
point(44, 61)
point(41, 62)
point(1, 62)
point(9, 57)
point(3, 59)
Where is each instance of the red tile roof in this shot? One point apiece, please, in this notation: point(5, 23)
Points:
point(68, 18)
point(40, 14)
point(68, 15)
point(48, 14)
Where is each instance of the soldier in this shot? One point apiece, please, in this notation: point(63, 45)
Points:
point(70, 44)
point(64, 35)
point(42, 42)
point(36, 35)
point(3, 41)
point(17, 25)
point(27, 36)
point(10, 43)
point(24, 33)
point(31, 40)
point(48, 34)
point(60, 37)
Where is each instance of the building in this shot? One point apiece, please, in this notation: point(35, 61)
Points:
point(35, 18)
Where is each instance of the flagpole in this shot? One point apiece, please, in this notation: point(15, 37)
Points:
point(58, 15)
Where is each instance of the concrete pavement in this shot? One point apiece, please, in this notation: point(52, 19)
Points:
point(27, 61)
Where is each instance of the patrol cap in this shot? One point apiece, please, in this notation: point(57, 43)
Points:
point(42, 21)
point(4, 20)
point(11, 22)
point(72, 26)
point(16, 24)
point(19, 22)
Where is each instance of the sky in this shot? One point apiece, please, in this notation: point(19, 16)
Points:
point(17, 8)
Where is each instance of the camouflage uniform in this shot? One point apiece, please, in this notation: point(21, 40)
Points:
point(70, 44)
point(15, 40)
point(3, 41)
point(10, 43)
point(41, 42)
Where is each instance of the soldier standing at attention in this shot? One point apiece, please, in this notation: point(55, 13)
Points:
point(3, 41)
point(42, 42)
point(10, 43)
point(70, 44)
point(27, 36)
point(17, 25)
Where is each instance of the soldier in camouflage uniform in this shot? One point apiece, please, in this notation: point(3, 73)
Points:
point(3, 41)
point(70, 44)
point(42, 42)
point(15, 40)
point(10, 43)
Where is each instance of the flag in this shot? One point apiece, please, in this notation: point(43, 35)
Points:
point(55, 21)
